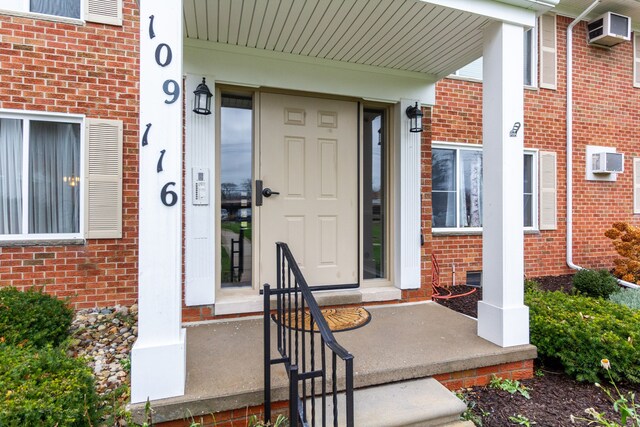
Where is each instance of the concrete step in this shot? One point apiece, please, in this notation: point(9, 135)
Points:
point(417, 403)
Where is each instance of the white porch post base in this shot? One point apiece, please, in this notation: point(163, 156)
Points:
point(158, 371)
point(505, 327)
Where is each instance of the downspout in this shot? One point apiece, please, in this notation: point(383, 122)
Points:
point(570, 143)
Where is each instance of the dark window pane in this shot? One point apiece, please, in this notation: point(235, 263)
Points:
point(67, 8)
point(528, 174)
point(528, 210)
point(236, 141)
point(444, 209)
point(374, 195)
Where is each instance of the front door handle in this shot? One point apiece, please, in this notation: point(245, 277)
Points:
point(267, 192)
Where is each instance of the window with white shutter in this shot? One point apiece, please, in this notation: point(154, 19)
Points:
point(548, 191)
point(103, 11)
point(636, 59)
point(636, 185)
point(103, 172)
point(548, 52)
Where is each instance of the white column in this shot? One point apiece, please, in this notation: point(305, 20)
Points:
point(407, 201)
point(502, 316)
point(158, 360)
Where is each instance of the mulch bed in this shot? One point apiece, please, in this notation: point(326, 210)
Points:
point(554, 395)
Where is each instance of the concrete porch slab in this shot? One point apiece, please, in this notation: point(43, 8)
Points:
point(402, 341)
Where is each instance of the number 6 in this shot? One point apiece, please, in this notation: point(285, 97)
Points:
point(165, 193)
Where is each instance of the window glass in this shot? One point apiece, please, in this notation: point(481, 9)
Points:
point(54, 177)
point(471, 189)
point(528, 57)
point(67, 8)
point(374, 195)
point(444, 187)
point(10, 176)
point(51, 153)
point(236, 142)
point(528, 190)
point(457, 188)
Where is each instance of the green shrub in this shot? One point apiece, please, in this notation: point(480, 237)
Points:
point(33, 318)
point(531, 285)
point(45, 387)
point(597, 284)
point(628, 297)
point(579, 331)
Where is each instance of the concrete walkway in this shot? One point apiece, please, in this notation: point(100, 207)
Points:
point(224, 358)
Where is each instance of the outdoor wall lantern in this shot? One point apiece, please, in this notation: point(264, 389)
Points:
point(415, 115)
point(202, 99)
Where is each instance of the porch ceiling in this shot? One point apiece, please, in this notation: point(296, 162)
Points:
point(629, 8)
point(407, 35)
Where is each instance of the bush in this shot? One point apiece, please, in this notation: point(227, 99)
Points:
point(628, 297)
point(626, 241)
point(597, 284)
point(33, 318)
point(45, 387)
point(579, 331)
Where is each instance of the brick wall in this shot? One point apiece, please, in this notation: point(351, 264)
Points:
point(90, 69)
point(606, 109)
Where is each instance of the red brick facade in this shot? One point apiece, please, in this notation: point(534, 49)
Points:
point(606, 109)
point(90, 69)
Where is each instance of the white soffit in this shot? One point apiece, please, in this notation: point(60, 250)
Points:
point(406, 35)
point(630, 8)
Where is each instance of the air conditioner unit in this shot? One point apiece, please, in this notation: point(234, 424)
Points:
point(609, 29)
point(607, 163)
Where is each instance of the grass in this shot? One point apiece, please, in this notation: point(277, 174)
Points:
point(235, 227)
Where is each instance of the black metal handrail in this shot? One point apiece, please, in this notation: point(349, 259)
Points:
point(297, 347)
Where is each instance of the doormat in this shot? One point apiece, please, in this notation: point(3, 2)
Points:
point(338, 319)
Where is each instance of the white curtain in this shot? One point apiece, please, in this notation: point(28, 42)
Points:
point(10, 176)
point(54, 165)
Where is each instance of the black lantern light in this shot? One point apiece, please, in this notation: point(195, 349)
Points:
point(202, 99)
point(415, 115)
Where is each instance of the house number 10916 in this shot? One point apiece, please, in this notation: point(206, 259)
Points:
point(171, 88)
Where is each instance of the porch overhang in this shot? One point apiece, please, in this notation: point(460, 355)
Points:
point(405, 46)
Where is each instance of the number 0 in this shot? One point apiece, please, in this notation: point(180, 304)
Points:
point(168, 197)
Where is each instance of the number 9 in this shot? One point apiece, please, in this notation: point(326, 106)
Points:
point(171, 88)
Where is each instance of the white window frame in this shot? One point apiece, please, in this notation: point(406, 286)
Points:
point(22, 8)
point(457, 146)
point(26, 117)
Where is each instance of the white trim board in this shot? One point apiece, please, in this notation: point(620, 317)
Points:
point(257, 68)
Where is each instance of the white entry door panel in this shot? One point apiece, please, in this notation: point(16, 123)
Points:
point(308, 153)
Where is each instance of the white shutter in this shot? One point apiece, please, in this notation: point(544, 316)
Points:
point(636, 185)
point(636, 59)
point(103, 179)
point(548, 52)
point(103, 11)
point(548, 191)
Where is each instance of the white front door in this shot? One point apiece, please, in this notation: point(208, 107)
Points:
point(308, 154)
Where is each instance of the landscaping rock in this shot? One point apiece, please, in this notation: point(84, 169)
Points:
point(104, 337)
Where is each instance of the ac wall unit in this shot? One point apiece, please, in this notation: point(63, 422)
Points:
point(608, 163)
point(609, 29)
